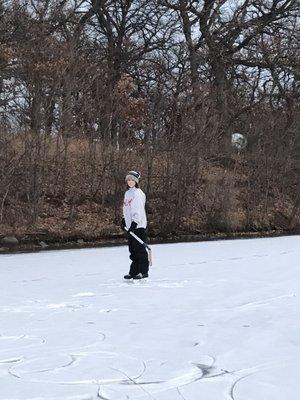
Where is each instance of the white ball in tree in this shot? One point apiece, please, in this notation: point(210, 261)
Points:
point(238, 141)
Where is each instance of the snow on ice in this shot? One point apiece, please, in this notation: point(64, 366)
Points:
point(215, 320)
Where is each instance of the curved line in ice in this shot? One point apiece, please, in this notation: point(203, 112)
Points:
point(12, 340)
point(74, 357)
point(253, 303)
point(231, 391)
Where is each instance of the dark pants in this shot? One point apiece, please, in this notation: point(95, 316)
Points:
point(138, 253)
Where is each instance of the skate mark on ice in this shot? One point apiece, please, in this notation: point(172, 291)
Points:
point(177, 265)
point(180, 394)
point(250, 304)
point(56, 306)
point(230, 259)
point(100, 396)
point(198, 372)
point(68, 306)
point(131, 382)
point(17, 310)
point(134, 381)
point(103, 336)
point(244, 373)
point(174, 284)
point(84, 294)
point(100, 382)
point(197, 263)
point(158, 386)
point(264, 302)
point(16, 343)
point(232, 388)
point(205, 369)
point(11, 371)
point(145, 283)
point(6, 337)
point(93, 274)
point(211, 371)
point(45, 370)
point(209, 374)
point(12, 374)
point(11, 360)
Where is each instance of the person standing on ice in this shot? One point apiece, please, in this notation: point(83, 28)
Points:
point(135, 220)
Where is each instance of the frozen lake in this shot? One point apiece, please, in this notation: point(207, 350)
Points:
point(216, 320)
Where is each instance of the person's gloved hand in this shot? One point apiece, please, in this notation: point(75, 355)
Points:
point(123, 224)
point(133, 226)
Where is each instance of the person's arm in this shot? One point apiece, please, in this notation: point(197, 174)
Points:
point(123, 224)
point(137, 208)
point(123, 221)
point(133, 226)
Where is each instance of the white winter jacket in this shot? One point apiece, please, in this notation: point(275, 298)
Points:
point(134, 207)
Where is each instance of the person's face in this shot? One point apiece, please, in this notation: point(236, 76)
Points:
point(131, 183)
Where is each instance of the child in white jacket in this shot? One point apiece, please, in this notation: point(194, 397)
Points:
point(135, 220)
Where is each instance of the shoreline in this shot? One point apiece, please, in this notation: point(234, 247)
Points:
point(121, 240)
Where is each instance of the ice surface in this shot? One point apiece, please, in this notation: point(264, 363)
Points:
point(215, 320)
